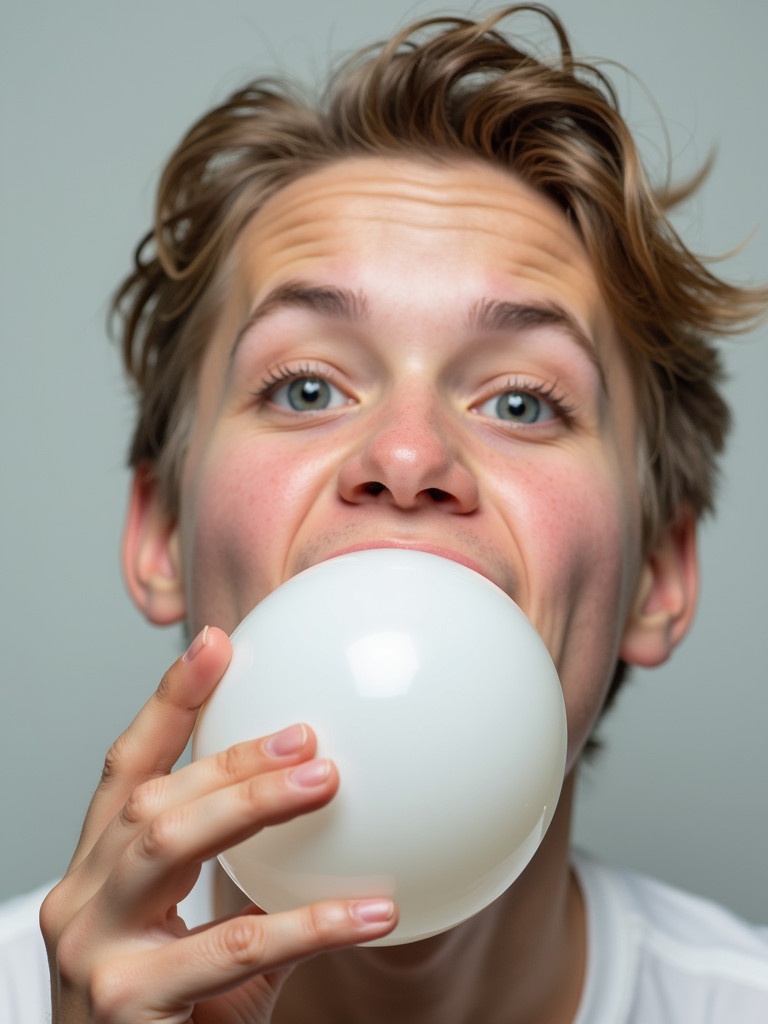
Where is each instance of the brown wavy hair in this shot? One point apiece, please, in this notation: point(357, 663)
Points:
point(444, 88)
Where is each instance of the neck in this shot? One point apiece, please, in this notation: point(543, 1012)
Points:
point(521, 960)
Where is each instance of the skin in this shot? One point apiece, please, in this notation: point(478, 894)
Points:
point(356, 393)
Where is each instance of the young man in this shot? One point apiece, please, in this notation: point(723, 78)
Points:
point(444, 311)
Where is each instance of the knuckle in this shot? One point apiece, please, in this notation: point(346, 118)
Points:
point(52, 915)
point(321, 920)
point(164, 691)
point(253, 790)
point(140, 804)
point(170, 693)
point(230, 763)
point(159, 839)
point(114, 759)
point(108, 995)
point(244, 941)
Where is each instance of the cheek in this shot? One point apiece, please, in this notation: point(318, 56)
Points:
point(249, 501)
point(576, 566)
point(220, 534)
point(231, 521)
point(574, 523)
point(579, 543)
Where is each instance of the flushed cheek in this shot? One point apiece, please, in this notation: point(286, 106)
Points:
point(232, 521)
point(219, 539)
point(251, 500)
point(576, 584)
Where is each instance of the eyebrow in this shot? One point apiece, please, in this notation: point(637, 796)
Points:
point(327, 300)
point(496, 315)
point(485, 315)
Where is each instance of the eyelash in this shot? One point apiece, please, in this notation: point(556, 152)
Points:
point(282, 374)
point(547, 392)
point(279, 375)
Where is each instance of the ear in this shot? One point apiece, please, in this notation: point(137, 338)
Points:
point(665, 601)
point(150, 555)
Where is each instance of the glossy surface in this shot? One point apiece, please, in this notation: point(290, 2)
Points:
point(443, 711)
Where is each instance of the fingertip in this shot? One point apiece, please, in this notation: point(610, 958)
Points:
point(217, 637)
point(369, 919)
point(197, 645)
point(210, 647)
point(288, 742)
point(201, 667)
point(210, 638)
point(374, 913)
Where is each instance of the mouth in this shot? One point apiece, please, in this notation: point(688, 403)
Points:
point(430, 549)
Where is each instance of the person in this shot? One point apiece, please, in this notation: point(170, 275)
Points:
point(441, 308)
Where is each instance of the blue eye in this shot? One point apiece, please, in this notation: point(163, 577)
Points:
point(307, 394)
point(518, 406)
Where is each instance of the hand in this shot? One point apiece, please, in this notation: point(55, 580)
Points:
point(119, 953)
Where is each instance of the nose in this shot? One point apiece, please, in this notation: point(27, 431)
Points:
point(407, 459)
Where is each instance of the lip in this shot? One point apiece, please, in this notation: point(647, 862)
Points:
point(430, 549)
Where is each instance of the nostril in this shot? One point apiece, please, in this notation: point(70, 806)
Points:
point(374, 488)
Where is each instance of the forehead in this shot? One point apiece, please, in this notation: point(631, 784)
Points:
point(462, 227)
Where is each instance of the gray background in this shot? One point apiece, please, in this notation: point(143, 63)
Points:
point(94, 95)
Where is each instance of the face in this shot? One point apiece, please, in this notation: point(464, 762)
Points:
point(418, 355)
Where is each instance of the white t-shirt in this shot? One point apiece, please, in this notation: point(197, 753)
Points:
point(655, 955)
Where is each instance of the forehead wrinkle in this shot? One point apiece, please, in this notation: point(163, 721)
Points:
point(305, 229)
point(410, 184)
point(407, 192)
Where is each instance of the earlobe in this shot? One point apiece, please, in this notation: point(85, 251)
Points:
point(150, 553)
point(665, 601)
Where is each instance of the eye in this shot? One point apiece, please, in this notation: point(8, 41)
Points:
point(519, 406)
point(307, 394)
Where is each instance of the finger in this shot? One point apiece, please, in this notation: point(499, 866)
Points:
point(235, 764)
point(158, 866)
point(207, 963)
point(156, 738)
point(158, 796)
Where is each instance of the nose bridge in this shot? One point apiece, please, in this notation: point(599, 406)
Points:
point(409, 453)
point(411, 433)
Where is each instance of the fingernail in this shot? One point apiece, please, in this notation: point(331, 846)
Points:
point(311, 773)
point(287, 741)
point(197, 644)
point(373, 911)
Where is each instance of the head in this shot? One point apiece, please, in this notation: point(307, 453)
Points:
point(445, 94)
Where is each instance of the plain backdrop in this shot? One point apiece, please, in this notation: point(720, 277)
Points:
point(94, 96)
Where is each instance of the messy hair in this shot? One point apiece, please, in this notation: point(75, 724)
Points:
point(442, 89)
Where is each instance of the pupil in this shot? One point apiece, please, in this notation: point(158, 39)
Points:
point(520, 407)
point(308, 392)
point(516, 405)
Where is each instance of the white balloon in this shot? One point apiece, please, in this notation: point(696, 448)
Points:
point(443, 712)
